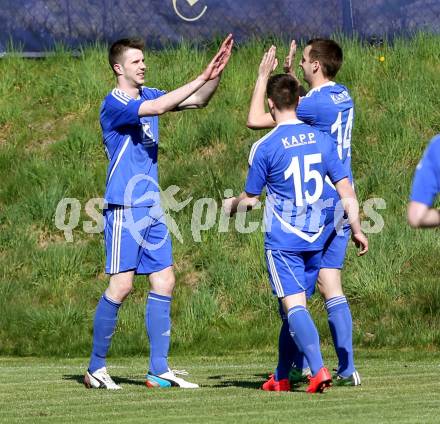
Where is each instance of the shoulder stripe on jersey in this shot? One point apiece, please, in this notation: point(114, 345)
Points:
point(123, 94)
point(257, 144)
point(119, 158)
point(118, 96)
point(151, 88)
point(115, 95)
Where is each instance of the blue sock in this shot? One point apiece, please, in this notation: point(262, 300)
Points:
point(305, 335)
point(341, 327)
point(104, 324)
point(288, 353)
point(286, 347)
point(158, 325)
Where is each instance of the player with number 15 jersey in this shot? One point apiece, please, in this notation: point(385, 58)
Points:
point(292, 162)
point(328, 106)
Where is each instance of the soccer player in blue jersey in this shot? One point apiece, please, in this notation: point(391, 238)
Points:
point(327, 106)
point(425, 188)
point(136, 237)
point(292, 162)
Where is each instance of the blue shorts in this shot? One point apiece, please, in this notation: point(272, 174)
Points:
point(293, 272)
point(336, 235)
point(136, 239)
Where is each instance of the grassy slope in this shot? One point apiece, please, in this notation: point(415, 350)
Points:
point(50, 148)
point(397, 388)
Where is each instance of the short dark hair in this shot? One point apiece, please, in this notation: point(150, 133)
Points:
point(283, 90)
point(328, 53)
point(119, 47)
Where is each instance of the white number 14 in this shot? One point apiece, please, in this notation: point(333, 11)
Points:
point(343, 142)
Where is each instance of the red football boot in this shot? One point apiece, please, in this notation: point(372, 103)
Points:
point(320, 381)
point(276, 386)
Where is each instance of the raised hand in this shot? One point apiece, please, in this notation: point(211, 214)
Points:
point(290, 59)
point(220, 60)
point(268, 64)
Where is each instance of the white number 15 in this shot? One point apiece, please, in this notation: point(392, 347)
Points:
point(309, 174)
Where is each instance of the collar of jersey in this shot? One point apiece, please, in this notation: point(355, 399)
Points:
point(291, 122)
point(327, 84)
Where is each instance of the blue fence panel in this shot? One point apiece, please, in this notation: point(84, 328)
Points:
point(38, 25)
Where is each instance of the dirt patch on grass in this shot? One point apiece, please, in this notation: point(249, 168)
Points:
point(187, 275)
point(45, 238)
point(5, 131)
point(212, 150)
point(49, 132)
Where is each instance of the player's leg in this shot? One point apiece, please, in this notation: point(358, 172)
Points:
point(158, 318)
point(287, 276)
point(120, 285)
point(300, 370)
point(157, 261)
point(338, 310)
point(290, 358)
point(292, 364)
point(304, 333)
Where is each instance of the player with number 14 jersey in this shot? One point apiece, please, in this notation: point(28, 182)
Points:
point(330, 109)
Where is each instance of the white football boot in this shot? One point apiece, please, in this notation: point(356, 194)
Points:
point(100, 379)
point(169, 379)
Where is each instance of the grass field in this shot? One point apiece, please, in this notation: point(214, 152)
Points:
point(50, 148)
point(398, 387)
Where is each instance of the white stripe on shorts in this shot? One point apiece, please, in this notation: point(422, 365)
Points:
point(116, 240)
point(121, 213)
point(275, 278)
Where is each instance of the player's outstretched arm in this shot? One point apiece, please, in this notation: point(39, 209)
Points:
point(258, 118)
point(351, 208)
point(422, 216)
point(242, 203)
point(171, 100)
point(202, 96)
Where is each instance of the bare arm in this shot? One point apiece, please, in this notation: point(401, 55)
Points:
point(258, 118)
point(422, 216)
point(203, 95)
point(170, 100)
point(210, 77)
point(288, 68)
point(242, 203)
point(351, 208)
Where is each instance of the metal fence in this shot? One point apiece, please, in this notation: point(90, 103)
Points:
point(38, 25)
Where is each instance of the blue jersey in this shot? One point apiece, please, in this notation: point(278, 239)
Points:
point(131, 145)
point(330, 109)
point(292, 161)
point(426, 183)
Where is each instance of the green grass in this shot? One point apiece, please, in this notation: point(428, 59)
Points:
point(398, 387)
point(50, 148)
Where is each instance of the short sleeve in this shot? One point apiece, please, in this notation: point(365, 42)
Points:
point(121, 110)
point(153, 93)
point(306, 110)
point(425, 186)
point(257, 173)
point(335, 169)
